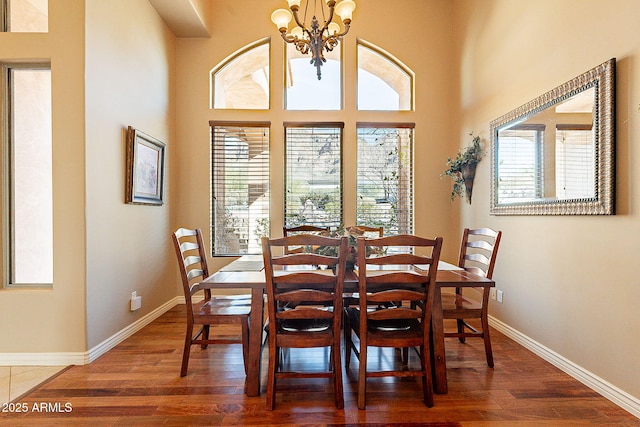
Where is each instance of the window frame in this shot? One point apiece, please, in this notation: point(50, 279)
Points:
point(393, 61)
point(7, 175)
point(410, 199)
point(538, 160)
point(213, 187)
point(228, 61)
point(314, 125)
point(5, 15)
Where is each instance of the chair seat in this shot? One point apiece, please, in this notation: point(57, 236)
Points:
point(457, 302)
point(305, 325)
point(243, 299)
point(386, 329)
point(213, 308)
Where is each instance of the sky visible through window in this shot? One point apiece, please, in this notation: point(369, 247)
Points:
point(309, 93)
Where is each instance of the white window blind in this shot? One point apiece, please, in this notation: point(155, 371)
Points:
point(384, 180)
point(313, 174)
point(575, 162)
point(239, 186)
point(520, 164)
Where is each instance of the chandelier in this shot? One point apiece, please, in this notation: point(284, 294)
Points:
point(314, 37)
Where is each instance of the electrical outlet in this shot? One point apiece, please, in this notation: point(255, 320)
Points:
point(499, 296)
point(136, 301)
point(493, 294)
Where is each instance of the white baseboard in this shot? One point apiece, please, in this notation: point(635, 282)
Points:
point(83, 358)
point(626, 401)
point(43, 359)
point(125, 333)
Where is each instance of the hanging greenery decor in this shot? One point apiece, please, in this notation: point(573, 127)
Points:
point(462, 168)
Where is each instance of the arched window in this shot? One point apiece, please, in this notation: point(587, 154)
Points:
point(241, 81)
point(384, 83)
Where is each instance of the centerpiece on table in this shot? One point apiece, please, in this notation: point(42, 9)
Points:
point(352, 233)
point(462, 168)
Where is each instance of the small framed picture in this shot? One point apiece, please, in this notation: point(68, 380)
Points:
point(145, 169)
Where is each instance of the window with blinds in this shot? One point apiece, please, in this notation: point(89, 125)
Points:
point(313, 174)
point(384, 180)
point(239, 186)
point(575, 162)
point(520, 164)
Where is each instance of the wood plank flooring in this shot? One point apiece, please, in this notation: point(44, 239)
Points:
point(138, 384)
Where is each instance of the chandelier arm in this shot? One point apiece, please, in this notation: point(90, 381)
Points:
point(295, 9)
point(331, 5)
point(347, 26)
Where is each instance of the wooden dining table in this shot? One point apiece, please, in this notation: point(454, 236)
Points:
point(247, 272)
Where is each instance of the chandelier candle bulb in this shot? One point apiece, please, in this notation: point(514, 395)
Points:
point(314, 37)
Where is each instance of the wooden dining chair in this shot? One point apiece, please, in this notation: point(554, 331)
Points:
point(301, 229)
point(478, 252)
point(293, 279)
point(393, 277)
point(374, 231)
point(210, 310)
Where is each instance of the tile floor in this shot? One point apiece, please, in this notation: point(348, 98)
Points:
point(17, 380)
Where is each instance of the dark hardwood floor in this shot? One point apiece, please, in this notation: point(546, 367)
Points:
point(138, 384)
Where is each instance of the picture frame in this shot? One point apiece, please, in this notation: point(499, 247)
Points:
point(145, 169)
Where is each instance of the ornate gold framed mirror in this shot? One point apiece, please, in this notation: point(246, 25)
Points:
point(555, 154)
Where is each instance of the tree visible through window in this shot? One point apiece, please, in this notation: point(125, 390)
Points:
point(313, 174)
point(240, 187)
point(384, 187)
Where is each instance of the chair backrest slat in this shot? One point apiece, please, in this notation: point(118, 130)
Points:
point(192, 260)
point(479, 249)
point(301, 229)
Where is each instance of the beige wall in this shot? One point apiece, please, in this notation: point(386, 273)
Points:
point(130, 62)
point(53, 320)
point(230, 32)
point(569, 282)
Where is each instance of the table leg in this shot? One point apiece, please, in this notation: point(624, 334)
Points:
point(255, 342)
point(438, 359)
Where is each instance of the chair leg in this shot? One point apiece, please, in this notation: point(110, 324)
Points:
point(187, 349)
point(427, 379)
point(347, 342)
point(205, 336)
point(362, 376)
point(337, 373)
point(460, 323)
point(487, 341)
point(274, 358)
point(245, 344)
